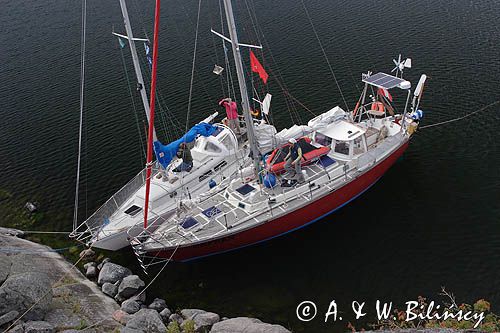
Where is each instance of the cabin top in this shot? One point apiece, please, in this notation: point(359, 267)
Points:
point(342, 131)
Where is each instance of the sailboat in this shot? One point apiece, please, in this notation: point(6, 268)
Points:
point(156, 191)
point(344, 154)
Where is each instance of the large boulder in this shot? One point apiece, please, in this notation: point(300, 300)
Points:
point(63, 318)
point(146, 320)
point(19, 328)
point(141, 297)
point(129, 286)
point(246, 325)
point(121, 316)
point(158, 304)
point(19, 292)
point(130, 306)
point(91, 272)
point(8, 317)
point(11, 232)
point(165, 314)
point(202, 319)
point(112, 273)
point(176, 317)
point(87, 265)
point(110, 289)
point(38, 327)
point(5, 264)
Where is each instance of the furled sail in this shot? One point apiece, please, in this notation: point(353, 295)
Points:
point(165, 153)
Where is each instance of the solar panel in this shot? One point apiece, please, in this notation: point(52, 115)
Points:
point(383, 80)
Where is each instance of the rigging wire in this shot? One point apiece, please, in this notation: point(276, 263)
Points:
point(226, 58)
point(324, 54)
point(133, 104)
point(275, 73)
point(193, 66)
point(82, 85)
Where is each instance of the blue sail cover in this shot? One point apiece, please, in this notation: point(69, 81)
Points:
point(165, 153)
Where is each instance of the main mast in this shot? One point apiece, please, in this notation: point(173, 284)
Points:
point(245, 103)
point(137, 66)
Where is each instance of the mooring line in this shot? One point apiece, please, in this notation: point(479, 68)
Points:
point(461, 118)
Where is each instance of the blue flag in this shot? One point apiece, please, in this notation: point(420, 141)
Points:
point(148, 53)
point(121, 42)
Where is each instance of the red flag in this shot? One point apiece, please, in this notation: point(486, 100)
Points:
point(257, 67)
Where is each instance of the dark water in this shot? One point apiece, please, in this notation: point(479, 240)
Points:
point(432, 221)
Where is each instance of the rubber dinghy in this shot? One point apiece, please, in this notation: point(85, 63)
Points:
point(275, 162)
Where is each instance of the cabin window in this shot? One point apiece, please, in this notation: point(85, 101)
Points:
point(212, 148)
point(226, 141)
point(220, 166)
point(323, 139)
point(133, 210)
point(342, 147)
point(205, 176)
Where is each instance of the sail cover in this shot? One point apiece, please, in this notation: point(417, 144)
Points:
point(165, 153)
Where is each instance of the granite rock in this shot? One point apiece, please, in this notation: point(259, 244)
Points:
point(146, 320)
point(129, 286)
point(112, 273)
point(19, 292)
point(130, 306)
point(202, 319)
point(110, 289)
point(38, 327)
point(246, 325)
point(158, 304)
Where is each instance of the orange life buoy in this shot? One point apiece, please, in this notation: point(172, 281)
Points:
point(377, 106)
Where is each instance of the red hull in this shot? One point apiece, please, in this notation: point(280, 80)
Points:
point(290, 222)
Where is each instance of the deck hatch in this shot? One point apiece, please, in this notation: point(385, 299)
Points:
point(133, 210)
point(326, 161)
point(211, 212)
point(189, 222)
point(245, 189)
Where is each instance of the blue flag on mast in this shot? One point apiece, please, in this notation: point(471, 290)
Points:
point(148, 53)
point(121, 42)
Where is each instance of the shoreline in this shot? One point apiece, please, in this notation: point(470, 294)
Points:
point(56, 296)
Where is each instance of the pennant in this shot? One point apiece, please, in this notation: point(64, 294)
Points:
point(148, 53)
point(385, 93)
point(121, 42)
point(257, 67)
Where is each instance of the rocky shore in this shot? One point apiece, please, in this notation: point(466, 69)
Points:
point(40, 292)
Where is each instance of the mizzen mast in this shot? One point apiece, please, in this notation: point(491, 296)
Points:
point(245, 103)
